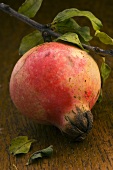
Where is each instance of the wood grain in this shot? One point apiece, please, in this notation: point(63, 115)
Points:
point(96, 151)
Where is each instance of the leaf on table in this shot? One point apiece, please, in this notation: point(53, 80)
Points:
point(47, 152)
point(29, 41)
point(103, 37)
point(70, 25)
point(69, 13)
point(30, 7)
point(105, 71)
point(71, 38)
point(20, 145)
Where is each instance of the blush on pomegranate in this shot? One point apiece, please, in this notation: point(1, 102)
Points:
point(57, 84)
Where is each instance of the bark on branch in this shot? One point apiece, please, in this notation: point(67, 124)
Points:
point(44, 28)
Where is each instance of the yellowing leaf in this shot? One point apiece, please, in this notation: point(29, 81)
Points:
point(106, 39)
point(30, 7)
point(69, 13)
point(70, 37)
point(20, 145)
point(33, 39)
point(47, 152)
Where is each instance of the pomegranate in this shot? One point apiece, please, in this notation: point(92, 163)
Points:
point(58, 84)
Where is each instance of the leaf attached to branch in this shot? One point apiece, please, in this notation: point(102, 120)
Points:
point(30, 7)
point(69, 13)
point(71, 38)
point(29, 41)
point(106, 39)
point(70, 25)
point(105, 71)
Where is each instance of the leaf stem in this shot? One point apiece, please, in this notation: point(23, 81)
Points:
point(44, 28)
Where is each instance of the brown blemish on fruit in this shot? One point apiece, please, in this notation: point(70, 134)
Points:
point(70, 61)
point(47, 54)
point(69, 79)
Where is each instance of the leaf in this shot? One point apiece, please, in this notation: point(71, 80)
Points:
point(70, 25)
point(70, 37)
point(47, 152)
point(20, 145)
point(69, 13)
point(33, 39)
point(84, 32)
point(104, 71)
point(100, 96)
point(30, 7)
point(106, 39)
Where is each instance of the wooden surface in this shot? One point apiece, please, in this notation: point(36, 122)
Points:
point(96, 151)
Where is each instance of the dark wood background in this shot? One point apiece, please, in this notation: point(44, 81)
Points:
point(96, 151)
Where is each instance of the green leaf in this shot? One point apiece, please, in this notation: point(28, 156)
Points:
point(47, 152)
point(104, 71)
point(70, 25)
point(20, 145)
point(30, 7)
point(84, 32)
point(31, 40)
point(100, 97)
point(70, 37)
point(106, 39)
point(69, 13)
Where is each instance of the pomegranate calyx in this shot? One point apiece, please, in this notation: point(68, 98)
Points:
point(79, 127)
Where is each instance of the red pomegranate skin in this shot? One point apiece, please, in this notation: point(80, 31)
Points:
point(53, 83)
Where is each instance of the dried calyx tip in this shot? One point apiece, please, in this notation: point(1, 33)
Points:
point(80, 126)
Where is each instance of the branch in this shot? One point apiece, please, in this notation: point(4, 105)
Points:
point(45, 29)
point(98, 50)
point(34, 24)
